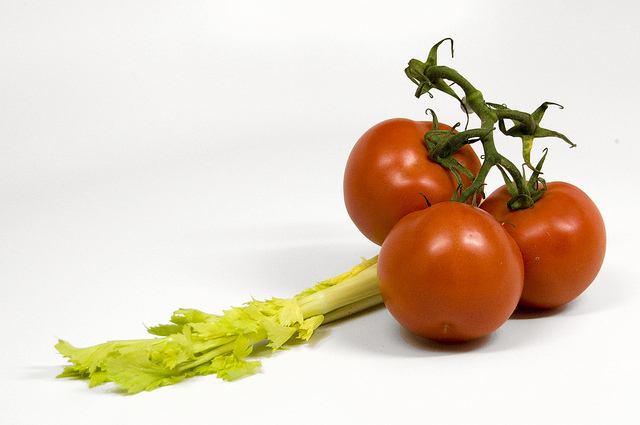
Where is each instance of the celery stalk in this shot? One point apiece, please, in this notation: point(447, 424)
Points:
point(197, 343)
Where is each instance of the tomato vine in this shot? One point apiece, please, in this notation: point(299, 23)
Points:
point(428, 76)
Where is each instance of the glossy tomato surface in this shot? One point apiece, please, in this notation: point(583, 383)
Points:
point(450, 272)
point(562, 239)
point(389, 174)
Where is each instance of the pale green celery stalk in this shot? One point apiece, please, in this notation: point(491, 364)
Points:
point(198, 343)
point(348, 294)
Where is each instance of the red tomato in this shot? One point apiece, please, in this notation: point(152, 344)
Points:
point(562, 239)
point(450, 272)
point(389, 171)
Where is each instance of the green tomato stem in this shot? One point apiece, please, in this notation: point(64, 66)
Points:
point(429, 75)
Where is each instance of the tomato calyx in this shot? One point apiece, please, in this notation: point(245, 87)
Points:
point(428, 76)
point(535, 186)
point(442, 144)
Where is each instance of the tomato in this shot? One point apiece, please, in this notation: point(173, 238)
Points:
point(450, 272)
point(389, 174)
point(562, 239)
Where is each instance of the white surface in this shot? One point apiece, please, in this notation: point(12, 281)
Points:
point(157, 155)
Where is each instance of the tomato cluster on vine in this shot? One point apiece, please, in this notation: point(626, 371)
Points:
point(454, 263)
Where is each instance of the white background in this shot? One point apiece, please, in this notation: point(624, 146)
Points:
point(165, 154)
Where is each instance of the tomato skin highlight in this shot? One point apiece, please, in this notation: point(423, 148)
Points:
point(562, 239)
point(389, 174)
point(450, 273)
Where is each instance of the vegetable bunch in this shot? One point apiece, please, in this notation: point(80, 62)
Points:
point(453, 263)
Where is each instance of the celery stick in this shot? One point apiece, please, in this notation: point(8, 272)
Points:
point(197, 343)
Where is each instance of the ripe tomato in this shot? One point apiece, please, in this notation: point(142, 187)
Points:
point(450, 272)
point(389, 174)
point(562, 239)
